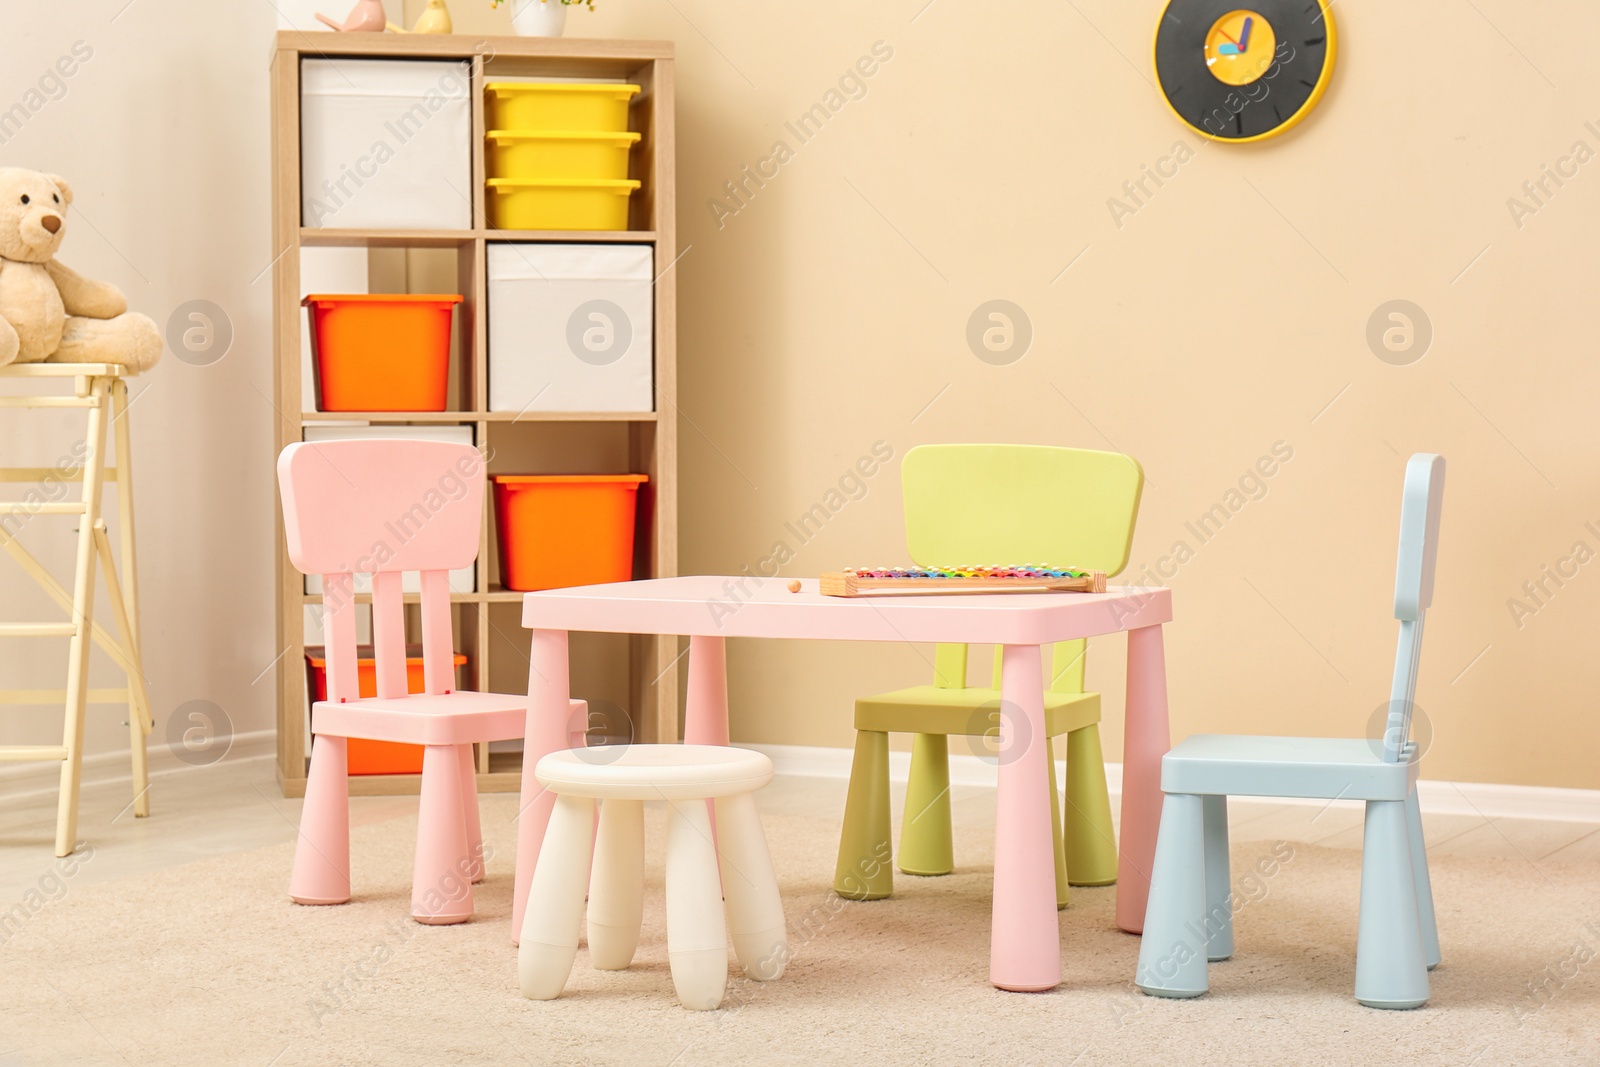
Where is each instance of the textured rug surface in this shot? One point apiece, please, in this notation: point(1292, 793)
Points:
point(210, 964)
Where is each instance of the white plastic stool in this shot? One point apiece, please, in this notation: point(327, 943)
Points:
point(624, 776)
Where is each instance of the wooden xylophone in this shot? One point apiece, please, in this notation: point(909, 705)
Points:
point(898, 581)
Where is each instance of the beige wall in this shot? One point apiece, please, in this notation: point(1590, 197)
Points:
point(163, 135)
point(830, 313)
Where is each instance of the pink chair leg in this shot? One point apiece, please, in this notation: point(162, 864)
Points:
point(549, 708)
point(441, 881)
point(1146, 738)
point(321, 873)
point(469, 808)
point(1025, 940)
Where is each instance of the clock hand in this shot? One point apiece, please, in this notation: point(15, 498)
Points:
point(1244, 36)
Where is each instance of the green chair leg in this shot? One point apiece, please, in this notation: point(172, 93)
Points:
point(925, 838)
point(1055, 829)
point(864, 871)
point(1090, 843)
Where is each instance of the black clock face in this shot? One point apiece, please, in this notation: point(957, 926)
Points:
point(1242, 70)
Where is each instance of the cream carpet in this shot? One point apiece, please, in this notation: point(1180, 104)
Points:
point(210, 964)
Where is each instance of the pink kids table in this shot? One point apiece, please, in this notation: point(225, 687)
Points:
point(1025, 941)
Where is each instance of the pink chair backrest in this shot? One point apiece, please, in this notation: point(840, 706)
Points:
point(383, 507)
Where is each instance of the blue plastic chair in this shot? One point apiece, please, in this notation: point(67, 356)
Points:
point(1189, 917)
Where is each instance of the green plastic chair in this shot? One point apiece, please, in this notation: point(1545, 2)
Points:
point(1001, 505)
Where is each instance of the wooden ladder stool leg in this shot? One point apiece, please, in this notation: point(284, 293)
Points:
point(82, 618)
point(126, 588)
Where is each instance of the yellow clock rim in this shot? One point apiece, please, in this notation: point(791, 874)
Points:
point(1288, 124)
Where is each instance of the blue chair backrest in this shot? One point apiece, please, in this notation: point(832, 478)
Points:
point(1419, 535)
point(1420, 504)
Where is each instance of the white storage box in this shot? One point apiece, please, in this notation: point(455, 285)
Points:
point(385, 144)
point(461, 581)
point(571, 327)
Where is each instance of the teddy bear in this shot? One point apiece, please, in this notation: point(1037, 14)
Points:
point(48, 312)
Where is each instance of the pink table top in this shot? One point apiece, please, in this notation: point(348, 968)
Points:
point(722, 606)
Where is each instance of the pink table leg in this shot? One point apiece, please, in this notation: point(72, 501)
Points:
point(705, 715)
point(1025, 940)
point(548, 730)
point(705, 712)
point(1146, 738)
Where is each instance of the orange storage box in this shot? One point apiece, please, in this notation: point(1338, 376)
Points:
point(565, 529)
point(374, 757)
point(381, 352)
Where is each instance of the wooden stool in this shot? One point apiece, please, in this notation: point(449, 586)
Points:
point(100, 391)
point(624, 776)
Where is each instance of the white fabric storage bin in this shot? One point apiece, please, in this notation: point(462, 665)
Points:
point(385, 144)
point(464, 580)
point(571, 327)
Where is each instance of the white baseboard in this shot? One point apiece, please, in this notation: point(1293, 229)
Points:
point(1485, 799)
point(19, 780)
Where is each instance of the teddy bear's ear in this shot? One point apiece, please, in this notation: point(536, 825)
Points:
point(61, 183)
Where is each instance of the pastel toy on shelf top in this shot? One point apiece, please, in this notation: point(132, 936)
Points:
point(436, 19)
point(48, 312)
point(366, 17)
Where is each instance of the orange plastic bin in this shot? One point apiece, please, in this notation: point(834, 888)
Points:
point(374, 757)
point(388, 352)
point(565, 529)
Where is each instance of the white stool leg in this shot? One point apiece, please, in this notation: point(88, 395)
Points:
point(755, 913)
point(697, 935)
point(554, 912)
point(1219, 895)
point(1391, 971)
point(1419, 871)
point(616, 885)
point(1172, 952)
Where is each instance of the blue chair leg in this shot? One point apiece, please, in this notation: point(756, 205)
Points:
point(1172, 953)
point(1219, 895)
point(1419, 871)
point(1391, 970)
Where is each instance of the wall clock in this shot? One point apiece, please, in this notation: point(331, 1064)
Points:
point(1243, 74)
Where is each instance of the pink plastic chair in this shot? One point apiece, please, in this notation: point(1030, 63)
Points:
point(383, 507)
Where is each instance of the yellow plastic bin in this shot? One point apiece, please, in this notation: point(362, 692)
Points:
point(559, 155)
point(598, 107)
point(559, 205)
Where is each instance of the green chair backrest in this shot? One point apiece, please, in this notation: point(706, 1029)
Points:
point(1011, 504)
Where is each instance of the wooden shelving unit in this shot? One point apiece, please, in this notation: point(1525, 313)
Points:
point(636, 675)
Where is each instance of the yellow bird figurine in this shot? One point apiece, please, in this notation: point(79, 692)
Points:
point(436, 19)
